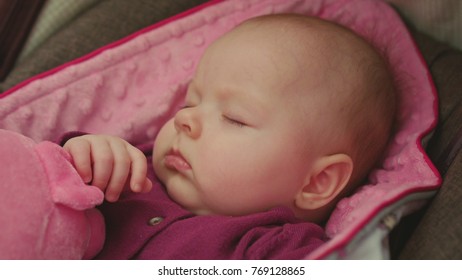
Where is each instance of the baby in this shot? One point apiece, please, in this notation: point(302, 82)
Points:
point(284, 112)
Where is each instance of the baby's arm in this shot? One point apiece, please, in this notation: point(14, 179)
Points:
point(108, 162)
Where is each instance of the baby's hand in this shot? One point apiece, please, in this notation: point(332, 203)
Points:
point(108, 163)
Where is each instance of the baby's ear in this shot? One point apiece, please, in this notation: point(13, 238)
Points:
point(325, 181)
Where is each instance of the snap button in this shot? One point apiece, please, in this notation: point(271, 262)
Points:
point(155, 221)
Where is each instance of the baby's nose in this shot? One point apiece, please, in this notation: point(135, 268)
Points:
point(187, 121)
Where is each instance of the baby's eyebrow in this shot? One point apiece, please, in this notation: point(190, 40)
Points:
point(246, 100)
point(192, 88)
point(191, 84)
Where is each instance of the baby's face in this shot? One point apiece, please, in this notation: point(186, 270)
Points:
point(242, 142)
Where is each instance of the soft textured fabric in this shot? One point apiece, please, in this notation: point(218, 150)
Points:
point(47, 212)
point(54, 15)
point(441, 19)
point(106, 22)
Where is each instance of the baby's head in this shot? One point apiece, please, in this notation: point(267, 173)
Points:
point(284, 110)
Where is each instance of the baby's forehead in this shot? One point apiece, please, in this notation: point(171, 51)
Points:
point(302, 34)
point(308, 52)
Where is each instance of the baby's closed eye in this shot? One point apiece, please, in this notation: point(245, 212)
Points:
point(234, 121)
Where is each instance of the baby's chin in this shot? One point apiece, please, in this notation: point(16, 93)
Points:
point(199, 211)
point(207, 211)
point(187, 196)
point(202, 212)
point(178, 195)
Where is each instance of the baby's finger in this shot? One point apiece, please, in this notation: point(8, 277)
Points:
point(103, 161)
point(147, 185)
point(120, 170)
point(138, 169)
point(80, 152)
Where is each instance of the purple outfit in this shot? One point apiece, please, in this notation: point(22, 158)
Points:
point(152, 226)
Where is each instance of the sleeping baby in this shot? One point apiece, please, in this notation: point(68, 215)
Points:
point(285, 115)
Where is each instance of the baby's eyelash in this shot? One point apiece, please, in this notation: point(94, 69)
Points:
point(234, 122)
point(186, 106)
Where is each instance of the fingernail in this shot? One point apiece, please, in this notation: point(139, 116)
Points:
point(136, 188)
point(148, 186)
point(111, 198)
point(87, 179)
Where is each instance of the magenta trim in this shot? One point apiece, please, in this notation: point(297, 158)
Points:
point(110, 46)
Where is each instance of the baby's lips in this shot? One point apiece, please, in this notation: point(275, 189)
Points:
point(176, 161)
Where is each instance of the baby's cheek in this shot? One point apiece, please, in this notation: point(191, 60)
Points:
point(226, 171)
point(162, 144)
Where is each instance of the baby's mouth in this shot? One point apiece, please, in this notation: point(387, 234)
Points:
point(174, 160)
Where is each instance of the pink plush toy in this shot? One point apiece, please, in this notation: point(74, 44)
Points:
point(47, 212)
